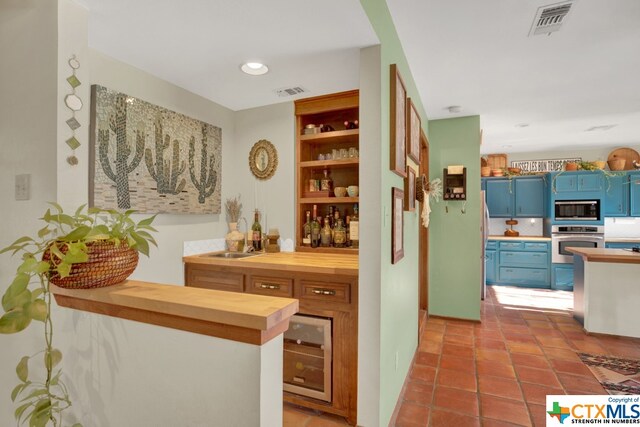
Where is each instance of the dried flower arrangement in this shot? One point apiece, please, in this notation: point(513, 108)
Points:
point(233, 208)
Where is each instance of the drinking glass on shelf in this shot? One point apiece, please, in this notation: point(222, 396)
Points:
point(321, 157)
point(335, 154)
point(353, 153)
point(328, 156)
point(344, 154)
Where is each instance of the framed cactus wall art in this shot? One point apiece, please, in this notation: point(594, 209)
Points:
point(151, 159)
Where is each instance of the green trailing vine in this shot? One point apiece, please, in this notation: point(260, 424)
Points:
point(42, 399)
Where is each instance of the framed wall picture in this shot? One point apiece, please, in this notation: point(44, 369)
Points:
point(398, 119)
point(413, 132)
point(410, 190)
point(397, 225)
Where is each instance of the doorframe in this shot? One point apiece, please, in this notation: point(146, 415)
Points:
point(423, 257)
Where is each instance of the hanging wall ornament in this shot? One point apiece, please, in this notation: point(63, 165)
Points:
point(73, 103)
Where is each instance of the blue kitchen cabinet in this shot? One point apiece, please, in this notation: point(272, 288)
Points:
point(578, 182)
point(562, 277)
point(634, 193)
point(522, 263)
point(529, 197)
point(499, 198)
point(516, 197)
point(622, 245)
point(566, 183)
point(490, 266)
point(616, 196)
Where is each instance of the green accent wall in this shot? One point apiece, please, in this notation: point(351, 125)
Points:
point(454, 237)
point(398, 286)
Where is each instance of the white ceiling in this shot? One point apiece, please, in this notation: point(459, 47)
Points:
point(199, 45)
point(477, 54)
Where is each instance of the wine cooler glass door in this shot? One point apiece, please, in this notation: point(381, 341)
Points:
point(307, 357)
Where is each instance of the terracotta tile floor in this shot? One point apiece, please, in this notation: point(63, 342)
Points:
point(497, 372)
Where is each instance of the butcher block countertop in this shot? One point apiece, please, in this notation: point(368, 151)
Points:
point(622, 239)
point(249, 318)
point(302, 262)
point(607, 255)
point(532, 238)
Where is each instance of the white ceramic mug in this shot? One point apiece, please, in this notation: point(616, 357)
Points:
point(353, 190)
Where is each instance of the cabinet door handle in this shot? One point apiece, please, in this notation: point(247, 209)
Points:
point(318, 291)
point(520, 209)
point(538, 255)
point(269, 286)
point(508, 270)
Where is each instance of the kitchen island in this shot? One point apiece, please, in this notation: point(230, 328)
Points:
point(326, 286)
point(606, 292)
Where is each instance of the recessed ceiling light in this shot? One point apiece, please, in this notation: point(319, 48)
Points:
point(453, 108)
point(522, 125)
point(603, 128)
point(254, 68)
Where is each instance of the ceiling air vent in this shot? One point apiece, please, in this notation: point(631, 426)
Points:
point(550, 18)
point(290, 91)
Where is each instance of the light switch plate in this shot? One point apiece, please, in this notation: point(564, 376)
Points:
point(23, 186)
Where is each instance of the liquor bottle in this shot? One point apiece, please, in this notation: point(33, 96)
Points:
point(326, 183)
point(325, 234)
point(331, 211)
point(315, 228)
point(354, 228)
point(257, 232)
point(306, 231)
point(339, 234)
point(347, 226)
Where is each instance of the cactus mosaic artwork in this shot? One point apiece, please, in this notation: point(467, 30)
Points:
point(125, 130)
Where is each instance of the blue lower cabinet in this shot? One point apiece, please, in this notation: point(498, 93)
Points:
point(621, 245)
point(528, 277)
point(634, 193)
point(562, 277)
point(490, 266)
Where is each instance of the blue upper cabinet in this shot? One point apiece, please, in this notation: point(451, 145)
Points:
point(499, 198)
point(578, 182)
point(529, 197)
point(616, 195)
point(566, 183)
point(516, 197)
point(634, 190)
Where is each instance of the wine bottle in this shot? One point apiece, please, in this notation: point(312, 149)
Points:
point(315, 228)
point(339, 234)
point(354, 228)
point(325, 234)
point(257, 232)
point(306, 231)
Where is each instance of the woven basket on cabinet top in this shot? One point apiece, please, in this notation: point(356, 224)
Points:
point(108, 265)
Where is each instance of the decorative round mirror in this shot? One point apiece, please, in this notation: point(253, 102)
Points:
point(263, 159)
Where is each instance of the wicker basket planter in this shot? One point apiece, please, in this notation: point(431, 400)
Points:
point(108, 265)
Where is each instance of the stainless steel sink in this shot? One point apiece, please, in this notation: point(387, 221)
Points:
point(232, 255)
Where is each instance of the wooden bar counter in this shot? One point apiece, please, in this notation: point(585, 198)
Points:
point(253, 319)
point(606, 290)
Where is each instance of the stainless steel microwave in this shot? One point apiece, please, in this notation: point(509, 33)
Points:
point(577, 210)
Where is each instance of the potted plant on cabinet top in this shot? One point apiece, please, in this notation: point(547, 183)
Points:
point(88, 249)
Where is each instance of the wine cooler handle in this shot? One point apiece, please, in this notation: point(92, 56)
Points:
point(269, 286)
point(318, 291)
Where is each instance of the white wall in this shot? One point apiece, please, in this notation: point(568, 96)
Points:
point(275, 197)
point(123, 373)
point(369, 298)
point(28, 141)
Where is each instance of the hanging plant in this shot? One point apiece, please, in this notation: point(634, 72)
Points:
point(66, 252)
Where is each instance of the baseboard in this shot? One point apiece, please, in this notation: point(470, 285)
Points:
point(396, 411)
point(436, 316)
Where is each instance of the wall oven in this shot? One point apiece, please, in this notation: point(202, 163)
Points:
point(307, 357)
point(582, 236)
point(577, 210)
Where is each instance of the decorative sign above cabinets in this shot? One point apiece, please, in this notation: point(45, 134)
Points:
point(151, 159)
point(544, 165)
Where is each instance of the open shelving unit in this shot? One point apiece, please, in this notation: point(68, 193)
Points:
point(331, 110)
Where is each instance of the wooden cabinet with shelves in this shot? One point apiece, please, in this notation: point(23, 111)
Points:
point(332, 110)
point(333, 297)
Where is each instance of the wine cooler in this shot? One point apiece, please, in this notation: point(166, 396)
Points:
point(307, 357)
